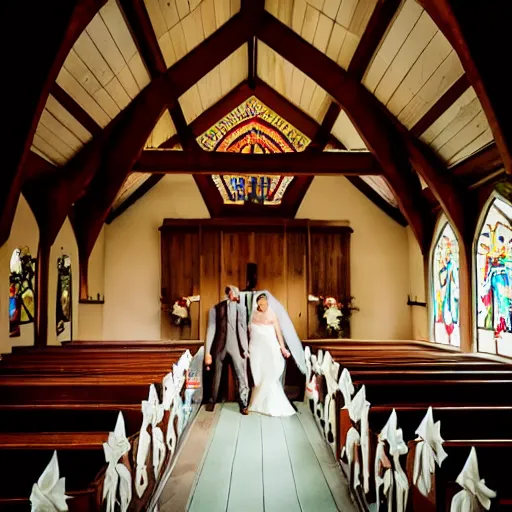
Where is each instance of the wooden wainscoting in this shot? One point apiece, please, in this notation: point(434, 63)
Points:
point(294, 258)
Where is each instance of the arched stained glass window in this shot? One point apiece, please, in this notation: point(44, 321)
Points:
point(64, 298)
point(21, 290)
point(494, 279)
point(445, 287)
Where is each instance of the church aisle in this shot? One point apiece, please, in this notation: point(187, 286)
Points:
point(256, 463)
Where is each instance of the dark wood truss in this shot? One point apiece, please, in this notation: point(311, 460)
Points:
point(86, 187)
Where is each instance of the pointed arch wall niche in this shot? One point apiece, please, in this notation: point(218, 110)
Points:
point(493, 278)
point(444, 285)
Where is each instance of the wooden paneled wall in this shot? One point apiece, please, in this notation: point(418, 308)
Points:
point(294, 258)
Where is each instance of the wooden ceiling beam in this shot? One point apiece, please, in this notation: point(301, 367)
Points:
point(480, 34)
point(55, 26)
point(323, 133)
point(138, 20)
point(252, 72)
point(270, 97)
point(441, 106)
point(379, 22)
point(81, 115)
point(132, 127)
point(282, 164)
point(478, 166)
point(370, 119)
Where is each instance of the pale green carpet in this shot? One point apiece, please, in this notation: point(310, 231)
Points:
point(256, 463)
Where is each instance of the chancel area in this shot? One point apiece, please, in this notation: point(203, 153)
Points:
point(256, 255)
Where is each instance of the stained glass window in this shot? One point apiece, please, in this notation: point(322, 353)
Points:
point(494, 280)
point(445, 287)
point(252, 127)
point(64, 298)
point(21, 290)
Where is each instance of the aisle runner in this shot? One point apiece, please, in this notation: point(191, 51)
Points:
point(257, 463)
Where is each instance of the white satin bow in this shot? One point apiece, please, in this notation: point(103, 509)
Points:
point(346, 387)
point(116, 446)
point(49, 493)
point(394, 437)
point(475, 495)
point(358, 411)
point(429, 451)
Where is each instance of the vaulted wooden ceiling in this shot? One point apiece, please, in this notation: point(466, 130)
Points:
point(405, 86)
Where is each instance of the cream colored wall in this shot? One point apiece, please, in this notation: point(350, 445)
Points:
point(132, 258)
point(417, 290)
point(65, 243)
point(379, 257)
point(24, 232)
point(91, 315)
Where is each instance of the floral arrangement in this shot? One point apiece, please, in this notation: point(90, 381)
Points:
point(180, 313)
point(334, 314)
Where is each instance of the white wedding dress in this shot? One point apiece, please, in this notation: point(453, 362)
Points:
point(267, 367)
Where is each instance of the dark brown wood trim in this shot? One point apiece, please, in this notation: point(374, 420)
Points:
point(324, 131)
point(252, 49)
point(137, 19)
point(283, 164)
point(379, 22)
point(441, 105)
point(252, 221)
point(75, 109)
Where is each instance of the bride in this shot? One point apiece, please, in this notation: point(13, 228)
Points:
point(267, 353)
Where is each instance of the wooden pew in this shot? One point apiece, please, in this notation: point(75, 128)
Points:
point(67, 399)
point(25, 455)
point(470, 394)
point(457, 422)
point(53, 417)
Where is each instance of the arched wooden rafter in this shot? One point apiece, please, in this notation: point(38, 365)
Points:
point(92, 183)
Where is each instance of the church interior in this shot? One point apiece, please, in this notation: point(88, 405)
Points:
point(349, 160)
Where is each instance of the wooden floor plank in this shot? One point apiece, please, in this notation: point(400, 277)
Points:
point(212, 490)
point(278, 482)
point(313, 492)
point(246, 492)
point(181, 484)
point(333, 476)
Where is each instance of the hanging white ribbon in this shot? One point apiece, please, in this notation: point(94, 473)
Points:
point(152, 414)
point(307, 356)
point(125, 486)
point(330, 369)
point(159, 450)
point(115, 447)
point(346, 387)
point(49, 493)
point(475, 495)
point(169, 391)
point(386, 479)
point(429, 451)
point(394, 437)
point(358, 411)
point(141, 472)
point(352, 444)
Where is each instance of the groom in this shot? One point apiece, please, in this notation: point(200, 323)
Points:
point(227, 336)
